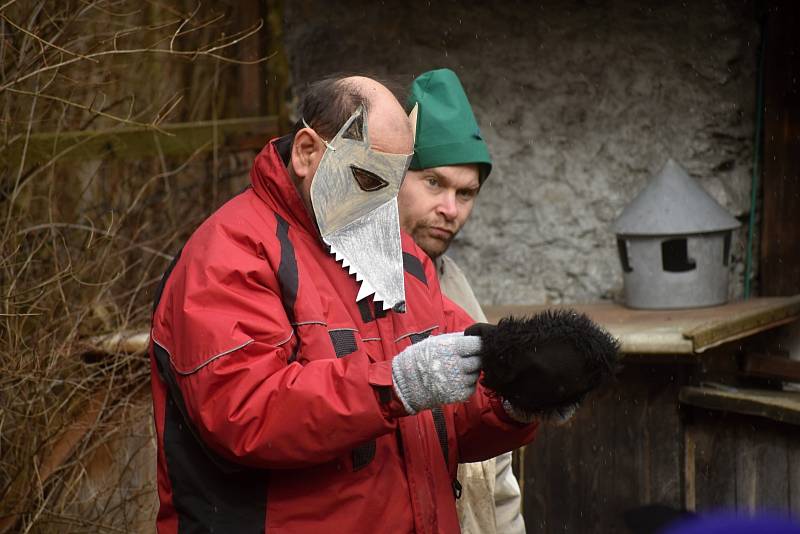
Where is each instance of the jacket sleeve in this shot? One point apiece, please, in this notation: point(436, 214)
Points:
point(483, 429)
point(229, 341)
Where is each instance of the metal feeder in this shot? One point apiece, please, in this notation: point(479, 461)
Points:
point(674, 244)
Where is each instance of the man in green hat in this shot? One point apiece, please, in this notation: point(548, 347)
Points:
point(450, 163)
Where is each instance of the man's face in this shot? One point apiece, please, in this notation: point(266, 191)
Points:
point(435, 203)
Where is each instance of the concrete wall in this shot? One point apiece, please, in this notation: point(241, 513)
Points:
point(581, 103)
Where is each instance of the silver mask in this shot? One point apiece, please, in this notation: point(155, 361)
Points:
point(354, 195)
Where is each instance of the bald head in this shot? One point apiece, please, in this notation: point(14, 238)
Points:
point(326, 106)
point(389, 128)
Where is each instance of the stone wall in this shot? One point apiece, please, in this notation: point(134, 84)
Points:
point(581, 103)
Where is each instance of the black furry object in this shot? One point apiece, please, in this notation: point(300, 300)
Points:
point(547, 362)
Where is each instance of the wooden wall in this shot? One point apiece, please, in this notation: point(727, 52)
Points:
point(743, 462)
point(634, 445)
point(780, 225)
point(622, 449)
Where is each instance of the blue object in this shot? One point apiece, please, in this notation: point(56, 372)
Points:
point(729, 523)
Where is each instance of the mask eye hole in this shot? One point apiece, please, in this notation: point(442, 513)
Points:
point(368, 181)
point(356, 129)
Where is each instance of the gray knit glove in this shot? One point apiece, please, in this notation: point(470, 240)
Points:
point(438, 370)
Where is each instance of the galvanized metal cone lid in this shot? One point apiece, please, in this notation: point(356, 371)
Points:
point(673, 203)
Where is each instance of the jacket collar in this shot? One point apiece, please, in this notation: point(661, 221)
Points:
point(272, 183)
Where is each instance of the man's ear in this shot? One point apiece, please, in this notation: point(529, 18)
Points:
point(307, 150)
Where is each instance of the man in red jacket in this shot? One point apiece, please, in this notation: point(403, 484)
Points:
point(292, 396)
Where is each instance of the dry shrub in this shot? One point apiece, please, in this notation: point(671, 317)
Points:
point(84, 242)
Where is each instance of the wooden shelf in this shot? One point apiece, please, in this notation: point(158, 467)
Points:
point(780, 406)
point(685, 332)
point(681, 334)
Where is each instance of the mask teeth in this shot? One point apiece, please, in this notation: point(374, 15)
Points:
point(340, 257)
point(366, 289)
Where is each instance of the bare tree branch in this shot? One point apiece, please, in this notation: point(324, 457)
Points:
point(191, 54)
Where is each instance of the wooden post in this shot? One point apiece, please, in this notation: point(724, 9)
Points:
point(277, 67)
point(780, 230)
point(251, 77)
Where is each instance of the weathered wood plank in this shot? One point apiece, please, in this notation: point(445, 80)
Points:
point(552, 476)
point(743, 323)
point(675, 332)
point(780, 226)
point(644, 334)
point(278, 65)
point(639, 331)
point(745, 470)
point(767, 446)
point(744, 463)
point(690, 468)
point(251, 99)
point(782, 406)
point(630, 482)
point(623, 450)
point(596, 456)
point(534, 497)
point(767, 366)
point(715, 462)
point(793, 472)
point(665, 427)
point(181, 139)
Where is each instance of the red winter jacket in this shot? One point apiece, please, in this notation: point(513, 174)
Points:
point(272, 388)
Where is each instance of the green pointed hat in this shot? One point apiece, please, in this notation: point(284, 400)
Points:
point(447, 132)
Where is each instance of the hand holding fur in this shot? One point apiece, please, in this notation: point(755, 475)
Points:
point(543, 366)
point(438, 370)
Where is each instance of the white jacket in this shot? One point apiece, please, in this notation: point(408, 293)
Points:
point(490, 498)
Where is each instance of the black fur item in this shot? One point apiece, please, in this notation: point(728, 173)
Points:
point(547, 362)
